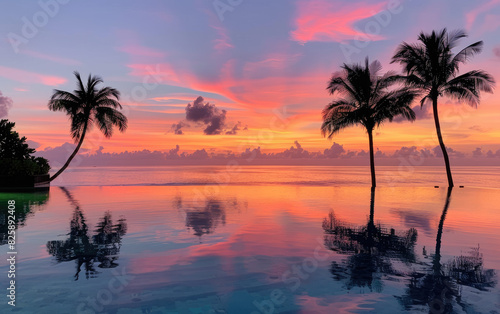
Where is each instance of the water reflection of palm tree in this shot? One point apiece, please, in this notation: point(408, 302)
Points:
point(370, 250)
point(103, 246)
point(438, 286)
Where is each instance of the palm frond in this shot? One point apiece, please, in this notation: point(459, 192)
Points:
point(79, 122)
point(468, 52)
point(88, 105)
point(107, 92)
point(107, 117)
point(371, 100)
point(467, 87)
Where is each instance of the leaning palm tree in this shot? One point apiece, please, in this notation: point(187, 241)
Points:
point(432, 68)
point(365, 98)
point(87, 106)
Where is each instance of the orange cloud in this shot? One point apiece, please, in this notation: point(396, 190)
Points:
point(322, 20)
point(30, 77)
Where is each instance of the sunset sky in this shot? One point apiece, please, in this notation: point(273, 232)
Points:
point(266, 63)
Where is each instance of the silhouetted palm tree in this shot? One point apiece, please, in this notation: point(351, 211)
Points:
point(87, 106)
point(432, 68)
point(366, 98)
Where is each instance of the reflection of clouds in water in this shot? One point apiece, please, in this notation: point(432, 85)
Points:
point(205, 219)
point(415, 220)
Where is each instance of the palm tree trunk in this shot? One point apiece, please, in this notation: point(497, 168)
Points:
point(371, 223)
point(72, 155)
point(441, 143)
point(437, 255)
point(372, 206)
point(372, 161)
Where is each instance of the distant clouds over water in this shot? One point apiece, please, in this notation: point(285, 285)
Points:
point(294, 155)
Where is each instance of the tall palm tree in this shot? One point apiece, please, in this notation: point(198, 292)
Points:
point(432, 67)
point(87, 106)
point(365, 98)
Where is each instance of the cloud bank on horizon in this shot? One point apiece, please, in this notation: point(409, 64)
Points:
point(294, 155)
point(243, 71)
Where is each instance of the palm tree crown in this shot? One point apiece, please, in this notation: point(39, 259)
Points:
point(365, 98)
point(433, 69)
point(88, 106)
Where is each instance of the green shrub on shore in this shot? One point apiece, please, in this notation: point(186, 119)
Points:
point(16, 156)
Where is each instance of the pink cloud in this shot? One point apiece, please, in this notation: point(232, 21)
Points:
point(274, 63)
point(322, 20)
point(161, 72)
point(223, 42)
point(30, 77)
point(491, 23)
point(52, 58)
point(471, 17)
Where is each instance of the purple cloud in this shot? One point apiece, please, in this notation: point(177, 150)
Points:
point(5, 105)
point(235, 129)
point(177, 127)
point(477, 152)
point(208, 114)
point(33, 144)
point(496, 51)
point(451, 152)
point(335, 151)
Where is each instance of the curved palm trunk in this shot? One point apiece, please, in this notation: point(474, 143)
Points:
point(72, 155)
point(372, 161)
point(441, 143)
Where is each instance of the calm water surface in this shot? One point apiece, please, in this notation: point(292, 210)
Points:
point(277, 175)
point(255, 248)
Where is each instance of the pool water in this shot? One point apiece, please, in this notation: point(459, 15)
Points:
point(254, 249)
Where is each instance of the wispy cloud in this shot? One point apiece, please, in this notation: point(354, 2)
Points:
point(30, 77)
point(323, 20)
point(472, 16)
point(163, 72)
point(53, 58)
